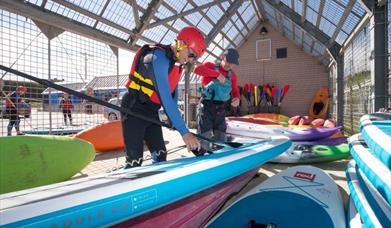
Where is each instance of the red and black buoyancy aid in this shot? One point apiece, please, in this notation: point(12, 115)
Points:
point(140, 80)
point(67, 104)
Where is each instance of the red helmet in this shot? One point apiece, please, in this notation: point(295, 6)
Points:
point(21, 89)
point(193, 39)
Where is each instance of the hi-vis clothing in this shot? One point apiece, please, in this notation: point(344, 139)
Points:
point(154, 77)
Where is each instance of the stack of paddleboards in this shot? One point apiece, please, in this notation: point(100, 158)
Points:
point(369, 174)
point(178, 193)
point(310, 144)
point(301, 196)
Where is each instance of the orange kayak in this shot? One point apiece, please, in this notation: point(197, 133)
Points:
point(104, 137)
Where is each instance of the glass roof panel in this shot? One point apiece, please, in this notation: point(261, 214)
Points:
point(357, 8)
point(143, 3)
point(163, 12)
point(298, 6)
point(179, 24)
point(204, 26)
point(120, 13)
point(341, 37)
point(169, 37)
point(313, 4)
point(194, 18)
point(319, 48)
point(252, 23)
point(332, 11)
point(238, 39)
point(239, 23)
point(307, 39)
point(344, 2)
point(214, 13)
point(110, 30)
point(327, 27)
point(350, 23)
point(287, 24)
point(307, 48)
point(177, 5)
point(288, 33)
point(66, 12)
point(155, 33)
point(311, 16)
point(287, 2)
point(225, 5)
point(94, 6)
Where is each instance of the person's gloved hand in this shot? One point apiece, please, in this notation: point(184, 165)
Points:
point(235, 102)
point(191, 142)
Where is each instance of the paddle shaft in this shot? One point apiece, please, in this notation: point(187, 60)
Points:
point(106, 104)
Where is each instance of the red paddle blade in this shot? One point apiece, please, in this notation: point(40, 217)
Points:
point(274, 91)
point(286, 88)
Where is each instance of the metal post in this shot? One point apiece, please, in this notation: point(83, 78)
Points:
point(50, 90)
point(379, 64)
point(340, 90)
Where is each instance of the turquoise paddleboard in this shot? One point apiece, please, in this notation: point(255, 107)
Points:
point(376, 131)
point(130, 195)
point(375, 170)
point(300, 196)
point(373, 209)
point(353, 217)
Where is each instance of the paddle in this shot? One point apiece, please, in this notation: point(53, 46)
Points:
point(285, 90)
point(273, 94)
point(107, 104)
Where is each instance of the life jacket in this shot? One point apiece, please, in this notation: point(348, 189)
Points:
point(217, 91)
point(142, 81)
point(67, 104)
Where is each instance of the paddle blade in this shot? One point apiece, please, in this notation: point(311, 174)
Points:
point(220, 143)
point(286, 88)
point(274, 91)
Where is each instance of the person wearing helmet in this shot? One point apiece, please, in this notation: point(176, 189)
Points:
point(219, 85)
point(152, 83)
point(11, 104)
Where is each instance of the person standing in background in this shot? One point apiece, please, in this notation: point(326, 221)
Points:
point(219, 85)
point(12, 101)
point(66, 106)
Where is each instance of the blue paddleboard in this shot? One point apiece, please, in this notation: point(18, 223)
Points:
point(375, 170)
point(376, 131)
point(300, 196)
point(353, 217)
point(125, 195)
point(373, 209)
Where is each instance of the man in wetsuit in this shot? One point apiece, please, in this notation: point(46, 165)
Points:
point(153, 81)
point(219, 85)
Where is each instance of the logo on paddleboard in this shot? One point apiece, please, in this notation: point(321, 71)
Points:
point(306, 176)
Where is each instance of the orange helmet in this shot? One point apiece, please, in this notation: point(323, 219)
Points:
point(193, 39)
point(21, 89)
